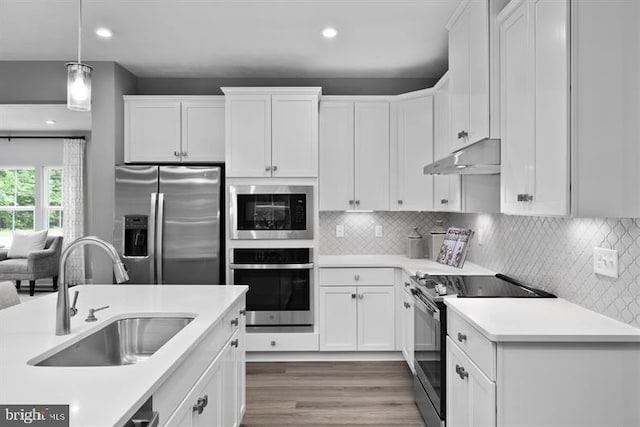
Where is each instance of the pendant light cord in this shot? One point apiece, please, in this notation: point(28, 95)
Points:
point(79, 31)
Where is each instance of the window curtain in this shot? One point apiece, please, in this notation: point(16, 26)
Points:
point(73, 158)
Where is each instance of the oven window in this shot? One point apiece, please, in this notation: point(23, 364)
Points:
point(427, 354)
point(272, 211)
point(275, 290)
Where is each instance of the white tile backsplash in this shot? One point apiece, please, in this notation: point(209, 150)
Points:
point(555, 254)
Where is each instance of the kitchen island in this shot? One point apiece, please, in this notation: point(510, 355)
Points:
point(110, 395)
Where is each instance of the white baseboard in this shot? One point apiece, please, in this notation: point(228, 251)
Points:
point(323, 356)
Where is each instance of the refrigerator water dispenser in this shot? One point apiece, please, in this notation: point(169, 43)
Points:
point(135, 235)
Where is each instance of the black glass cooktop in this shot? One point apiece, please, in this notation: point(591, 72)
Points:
point(483, 287)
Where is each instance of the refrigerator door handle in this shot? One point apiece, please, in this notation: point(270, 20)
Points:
point(160, 234)
point(152, 237)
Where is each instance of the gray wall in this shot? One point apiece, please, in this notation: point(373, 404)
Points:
point(333, 86)
point(34, 82)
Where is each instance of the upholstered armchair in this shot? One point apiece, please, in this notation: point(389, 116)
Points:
point(37, 265)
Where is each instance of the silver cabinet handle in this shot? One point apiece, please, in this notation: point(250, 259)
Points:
point(520, 197)
point(201, 403)
point(183, 154)
point(234, 343)
point(274, 168)
point(234, 322)
point(357, 202)
point(243, 312)
point(272, 343)
point(460, 371)
point(461, 337)
point(353, 296)
point(399, 202)
point(267, 168)
point(444, 201)
point(176, 153)
point(356, 277)
point(462, 134)
point(407, 305)
point(361, 296)
point(351, 202)
point(528, 197)
point(407, 284)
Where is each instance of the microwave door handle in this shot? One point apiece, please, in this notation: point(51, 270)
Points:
point(306, 266)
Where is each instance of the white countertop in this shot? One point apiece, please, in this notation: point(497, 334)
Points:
point(107, 395)
point(540, 320)
point(409, 265)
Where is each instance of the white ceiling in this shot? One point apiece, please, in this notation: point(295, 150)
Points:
point(31, 118)
point(236, 38)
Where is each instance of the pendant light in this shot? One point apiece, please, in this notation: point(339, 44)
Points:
point(79, 76)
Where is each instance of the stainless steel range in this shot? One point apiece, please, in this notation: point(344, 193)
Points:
point(430, 330)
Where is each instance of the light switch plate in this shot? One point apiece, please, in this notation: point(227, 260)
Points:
point(378, 231)
point(605, 262)
point(339, 230)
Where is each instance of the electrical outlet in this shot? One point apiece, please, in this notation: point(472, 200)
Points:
point(605, 262)
point(378, 231)
point(339, 230)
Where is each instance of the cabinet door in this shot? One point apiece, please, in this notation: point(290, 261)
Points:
point(459, 79)
point(203, 131)
point(248, 135)
point(415, 150)
point(407, 327)
point(338, 318)
point(152, 131)
point(336, 156)
point(478, 70)
point(443, 144)
point(376, 317)
point(517, 145)
point(372, 155)
point(447, 191)
point(471, 396)
point(294, 140)
point(229, 399)
point(550, 186)
point(241, 357)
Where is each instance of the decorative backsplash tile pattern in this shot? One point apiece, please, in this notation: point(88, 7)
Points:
point(359, 231)
point(555, 254)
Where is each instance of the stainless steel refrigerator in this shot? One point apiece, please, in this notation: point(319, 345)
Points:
point(168, 223)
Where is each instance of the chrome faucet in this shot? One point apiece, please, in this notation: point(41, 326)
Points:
point(63, 312)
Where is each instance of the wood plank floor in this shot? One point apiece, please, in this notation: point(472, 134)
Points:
point(314, 394)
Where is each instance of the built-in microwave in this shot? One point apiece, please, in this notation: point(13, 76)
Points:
point(271, 212)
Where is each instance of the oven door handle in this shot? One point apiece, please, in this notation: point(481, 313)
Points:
point(307, 266)
point(429, 306)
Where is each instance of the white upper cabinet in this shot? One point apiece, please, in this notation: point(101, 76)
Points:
point(414, 149)
point(174, 129)
point(354, 154)
point(446, 188)
point(272, 132)
point(534, 60)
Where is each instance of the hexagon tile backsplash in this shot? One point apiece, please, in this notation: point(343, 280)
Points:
point(555, 254)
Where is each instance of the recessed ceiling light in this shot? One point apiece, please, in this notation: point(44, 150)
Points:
point(50, 122)
point(329, 33)
point(105, 33)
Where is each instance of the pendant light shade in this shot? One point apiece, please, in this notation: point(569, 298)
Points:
point(78, 86)
point(79, 76)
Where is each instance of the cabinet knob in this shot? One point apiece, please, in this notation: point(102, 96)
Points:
point(351, 202)
point(201, 403)
point(407, 305)
point(267, 168)
point(353, 296)
point(176, 153)
point(361, 296)
point(462, 134)
point(444, 201)
point(235, 343)
point(399, 202)
point(520, 197)
point(356, 277)
point(274, 168)
point(243, 312)
point(184, 154)
point(461, 337)
point(272, 343)
point(407, 284)
point(460, 371)
point(357, 202)
point(234, 322)
point(528, 197)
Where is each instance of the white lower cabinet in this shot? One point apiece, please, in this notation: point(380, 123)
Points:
point(357, 317)
point(406, 321)
point(208, 389)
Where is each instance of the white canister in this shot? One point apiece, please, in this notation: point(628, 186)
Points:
point(415, 245)
point(436, 238)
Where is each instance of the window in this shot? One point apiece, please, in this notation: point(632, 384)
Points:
point(30, 199)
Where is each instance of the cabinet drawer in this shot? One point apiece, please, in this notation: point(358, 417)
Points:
point(473, 343)
point(282, 342)
point(356, 276)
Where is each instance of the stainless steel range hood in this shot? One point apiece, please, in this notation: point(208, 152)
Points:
point(480, 158)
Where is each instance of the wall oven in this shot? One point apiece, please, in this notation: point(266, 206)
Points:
point(271, 212)
point(280, 285)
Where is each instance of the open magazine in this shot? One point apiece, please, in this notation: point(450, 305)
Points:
point(455, 247)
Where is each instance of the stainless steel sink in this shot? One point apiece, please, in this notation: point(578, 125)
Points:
point(121, 342)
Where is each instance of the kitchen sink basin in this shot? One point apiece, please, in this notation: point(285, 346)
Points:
point(122, 342)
